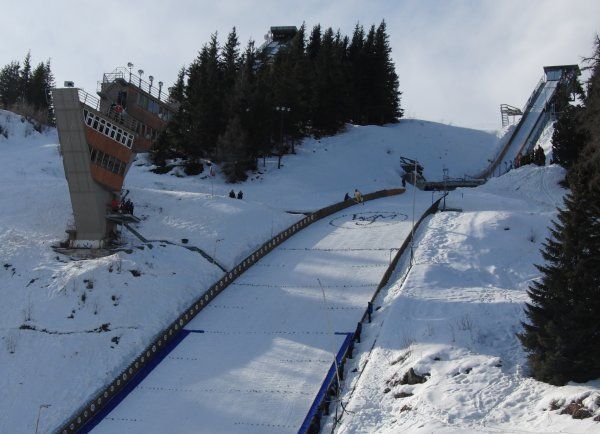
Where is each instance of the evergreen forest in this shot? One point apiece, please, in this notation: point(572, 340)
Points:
point(24, 89)
point(238, 105)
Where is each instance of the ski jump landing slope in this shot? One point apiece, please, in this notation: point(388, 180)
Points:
point(254, 359)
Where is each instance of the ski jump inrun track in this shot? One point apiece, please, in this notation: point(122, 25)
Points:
point(255, 358)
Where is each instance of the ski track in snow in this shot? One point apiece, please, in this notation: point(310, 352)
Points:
point(47, 291)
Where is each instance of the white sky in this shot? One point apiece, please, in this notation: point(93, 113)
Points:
point(457, 60)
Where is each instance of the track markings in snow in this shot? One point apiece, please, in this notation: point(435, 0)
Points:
point(351, 266)
point(230, 390)
point(267, 425)
point(267, 285)
point(123, 419)
point(280, 332)
point(318, 249)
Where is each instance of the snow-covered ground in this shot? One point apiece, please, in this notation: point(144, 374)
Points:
point(67, 327)
point(453, 319)
point(363, 157)
point(256, 357)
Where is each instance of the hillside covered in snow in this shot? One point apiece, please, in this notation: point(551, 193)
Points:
point(442, 354)
point(67, 327)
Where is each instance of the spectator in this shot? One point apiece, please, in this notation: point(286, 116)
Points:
point(114, 205)
point(358, 196)
point(240, 195)
point(232, 194)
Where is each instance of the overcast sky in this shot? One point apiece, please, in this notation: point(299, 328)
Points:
point(457, 60)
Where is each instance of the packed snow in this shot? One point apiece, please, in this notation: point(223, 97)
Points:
point(67, 327)
point(453, 320)
point(271, 338)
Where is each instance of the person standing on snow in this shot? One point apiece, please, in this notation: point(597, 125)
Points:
point(240, 195)
point(358, 196)
point(232, 194)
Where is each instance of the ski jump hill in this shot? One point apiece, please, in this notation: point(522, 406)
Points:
point(262, 349)
point(81, 326)
point(258, 359)
point(539, 110)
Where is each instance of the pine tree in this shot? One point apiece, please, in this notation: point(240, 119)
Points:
point(390, 94)
point(38, 87)
point(9, 84)
point(562, 338)
point(49, 83)
point(230, 60)
point(25, 78)
point(314, 42)
point(177, 91)
point(203, 106)
point(358, 77)
point(328, 85)
point(231, 151)
point(568, 138)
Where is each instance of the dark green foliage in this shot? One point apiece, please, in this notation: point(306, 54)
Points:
point(568, 138)
point(25, 91)
point(193, 167)
point(10, 89)
point(324, 81)
point(176, 92)
point(563, 334)
point(562, 337)
point(232, 151)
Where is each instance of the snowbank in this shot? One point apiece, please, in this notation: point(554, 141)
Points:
point(454, 319)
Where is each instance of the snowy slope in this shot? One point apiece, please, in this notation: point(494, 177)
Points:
point(255, 358)
point(68, 326)
point(455, 316)
point(363, 157)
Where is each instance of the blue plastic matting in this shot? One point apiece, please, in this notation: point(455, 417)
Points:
point(326, 383)
point(135, 381)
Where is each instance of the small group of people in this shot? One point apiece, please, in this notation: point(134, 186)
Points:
point(127, 207)
point(357, 197)
point(232, 195)
point(122, 207)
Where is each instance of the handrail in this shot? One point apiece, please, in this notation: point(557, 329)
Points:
point(88, 414)
point(94, 103)
point(89, 99)
point(533, 95)
point(126, 75)
point(123, 119)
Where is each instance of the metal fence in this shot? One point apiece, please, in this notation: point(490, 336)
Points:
point(329, 388)
point(164, 340)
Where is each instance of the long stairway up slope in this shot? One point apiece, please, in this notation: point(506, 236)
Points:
point(254, 359)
